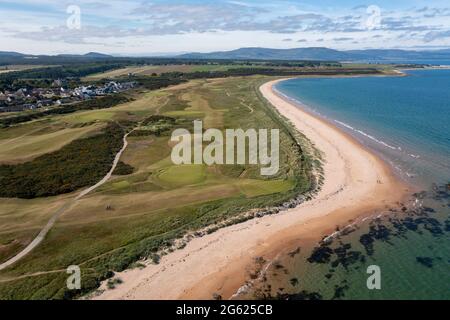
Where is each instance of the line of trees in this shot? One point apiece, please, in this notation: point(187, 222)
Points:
point(240, 72)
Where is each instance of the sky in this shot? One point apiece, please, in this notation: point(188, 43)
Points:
point(154, 27)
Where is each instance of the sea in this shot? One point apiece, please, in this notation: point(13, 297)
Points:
point(399, 253)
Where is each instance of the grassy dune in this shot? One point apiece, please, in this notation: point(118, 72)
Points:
point(134, 216)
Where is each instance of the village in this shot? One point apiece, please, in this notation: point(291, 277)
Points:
point(59, 94)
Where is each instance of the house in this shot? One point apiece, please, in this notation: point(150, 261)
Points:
point(29, 106)
point(44, 103)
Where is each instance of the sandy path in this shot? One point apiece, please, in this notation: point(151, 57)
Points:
point(356, 183)
point(41, 236)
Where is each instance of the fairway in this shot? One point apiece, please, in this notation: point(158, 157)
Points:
point(138, 70)
point(186, 113)
point(89, 116)
point(150, 70)
point(14, 68)
point(32, 145)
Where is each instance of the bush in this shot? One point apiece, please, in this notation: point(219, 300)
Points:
point(123, 169)
point(79, 164)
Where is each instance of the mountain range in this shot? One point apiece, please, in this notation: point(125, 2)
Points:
point(313, 53)
point(94, 55)
point(320, 53)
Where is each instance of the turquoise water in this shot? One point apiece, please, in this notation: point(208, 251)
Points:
point(406, 120)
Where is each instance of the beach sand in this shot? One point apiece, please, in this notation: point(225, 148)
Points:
point(357, 183)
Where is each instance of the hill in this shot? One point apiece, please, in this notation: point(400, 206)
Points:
point(319, 53)
point(10, 54)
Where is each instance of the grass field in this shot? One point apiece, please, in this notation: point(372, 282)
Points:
point(36, 143)
point(134, 216)
point(12, 68)
point(150, 70)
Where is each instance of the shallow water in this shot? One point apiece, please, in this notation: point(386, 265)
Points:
point(407, 121)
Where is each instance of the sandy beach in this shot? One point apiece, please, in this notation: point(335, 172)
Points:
point(357, 183)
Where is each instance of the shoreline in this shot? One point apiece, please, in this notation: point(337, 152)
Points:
point(357, 183)
point(346, 129)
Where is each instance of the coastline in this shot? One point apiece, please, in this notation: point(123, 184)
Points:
point(357, 183)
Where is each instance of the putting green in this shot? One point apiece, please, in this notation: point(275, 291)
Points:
point(183, 175)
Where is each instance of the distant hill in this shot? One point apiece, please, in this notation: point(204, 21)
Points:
point(97, 55)
point(9, 58)
point(320, 53)
point(273, 54)
point(313, 53)
point(92, 55)
point(10, 54)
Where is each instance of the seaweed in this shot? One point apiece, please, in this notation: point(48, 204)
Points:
point(320, 254)
point(303, 295)
point(294, 282)
point(339, 290)
point(425, 261)
point(292, 254)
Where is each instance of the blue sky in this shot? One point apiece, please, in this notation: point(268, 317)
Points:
point(140, 27)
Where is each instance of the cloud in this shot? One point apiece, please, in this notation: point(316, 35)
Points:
point(434, 12)
point(82, 36)
point(172, 19)
point(436, 35)
point(181, 18)
point(342, 39)
point(360, 7)
point(117, 22)
point(405, 23)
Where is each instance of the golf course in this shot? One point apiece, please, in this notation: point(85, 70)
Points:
point(149, 205)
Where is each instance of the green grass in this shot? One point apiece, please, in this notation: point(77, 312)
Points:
point(89, 116)
point(79, 164)
point(186, 114)
point(256, 188)
point(35, 144)
point(178, 176)
point(120, 185)
point(150, 70)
